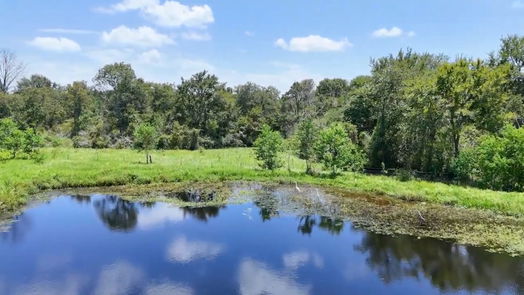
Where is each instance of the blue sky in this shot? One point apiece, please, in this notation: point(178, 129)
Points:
point(270, 42)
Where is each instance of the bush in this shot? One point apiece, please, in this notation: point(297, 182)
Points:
point(267, 147)
point(145, 139)
point(16, 141)
point(496, 163)
point(336, 151)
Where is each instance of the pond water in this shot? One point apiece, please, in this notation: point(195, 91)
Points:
point(101, 244)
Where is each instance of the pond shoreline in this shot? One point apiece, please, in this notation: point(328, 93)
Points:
point(376, 213)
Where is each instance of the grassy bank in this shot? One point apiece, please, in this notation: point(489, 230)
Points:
point(63, 168)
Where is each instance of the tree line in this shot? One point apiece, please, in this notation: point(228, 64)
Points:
point(414, 111)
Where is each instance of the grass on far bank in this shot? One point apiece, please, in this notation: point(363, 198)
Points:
point(68, 168)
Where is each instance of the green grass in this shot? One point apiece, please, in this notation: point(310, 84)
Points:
point(66, 168)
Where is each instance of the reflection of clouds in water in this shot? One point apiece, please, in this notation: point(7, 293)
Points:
point(356, 270)
point(124, 278)
point(118, 278)
point(52, 262)
point(71, 285)
point(184, 251)
point(159, 215)
point(297, 259)
point(247, 212)
point(256, 278)
point(168, 289)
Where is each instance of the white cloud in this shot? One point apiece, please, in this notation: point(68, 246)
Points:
point(55, 44)
point(518, 4)
point(141, 36)
point(184, 251)
point(297, 259)
point(168, 14)
point(175, 14)
point(160, 214)
point(391, 33)
point(313, 43)
point(68, 31)
point(168, 289)
point(256, 278)
point(127, 5)
point(249, 33)
point(118, 278)
point(196, 36)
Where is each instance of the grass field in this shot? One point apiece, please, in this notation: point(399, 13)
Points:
point(66, 168)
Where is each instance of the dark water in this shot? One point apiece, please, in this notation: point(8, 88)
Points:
point(103, 245)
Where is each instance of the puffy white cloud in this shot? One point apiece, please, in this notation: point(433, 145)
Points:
point(391, 33)
point(175, 14)
point(313, 43)
point(142, 36)
point(297, 259)
point(256, 278)
point(184, 251)
point(196, 36)
point(118, 278)
point(55, 44)
point(168, 14)
point(162, 213)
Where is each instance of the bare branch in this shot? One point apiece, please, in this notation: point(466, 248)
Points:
point(10, 69)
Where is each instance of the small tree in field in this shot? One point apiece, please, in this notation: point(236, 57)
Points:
point(306, 138)
point(145, 140)
point(16, 140)
point(335, 150)
point(267, 146)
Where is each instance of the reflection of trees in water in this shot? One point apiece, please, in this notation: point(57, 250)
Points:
point(268, 207)
point(447, 266)
point(203, 213)
point(16, 230)
point(117, 214)
point(308, 222)
point(81, 198)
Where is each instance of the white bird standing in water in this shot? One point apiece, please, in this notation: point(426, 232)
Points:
point(296, 186)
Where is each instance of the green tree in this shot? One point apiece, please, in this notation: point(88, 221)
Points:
point(336, 151)
point(16, 140)
point(145, 140)
point(499, 161)
point(297, 104)
point(306, 139)
point(80, 100)
point(267, 148)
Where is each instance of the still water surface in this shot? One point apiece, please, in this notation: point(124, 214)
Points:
point(100, 244)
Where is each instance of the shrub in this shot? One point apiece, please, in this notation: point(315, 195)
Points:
point(267, 147)
point(145, 139)
point(496, 163)
point(336, 151)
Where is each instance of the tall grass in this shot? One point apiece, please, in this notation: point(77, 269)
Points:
point(63, 168)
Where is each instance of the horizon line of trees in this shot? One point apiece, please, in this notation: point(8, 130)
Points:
point(414, 111)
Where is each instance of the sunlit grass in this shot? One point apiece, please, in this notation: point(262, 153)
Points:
point(64, 168)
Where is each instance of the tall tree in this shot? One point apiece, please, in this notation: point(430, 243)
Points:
point(298, 103)
point(10, 69)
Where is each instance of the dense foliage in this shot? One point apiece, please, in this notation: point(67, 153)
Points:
point(267, 148)
point(414, 111)
point(15, 140)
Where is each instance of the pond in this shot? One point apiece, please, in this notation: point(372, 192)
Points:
point(263, 242)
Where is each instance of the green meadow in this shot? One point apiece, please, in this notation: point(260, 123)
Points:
point(69, 168)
